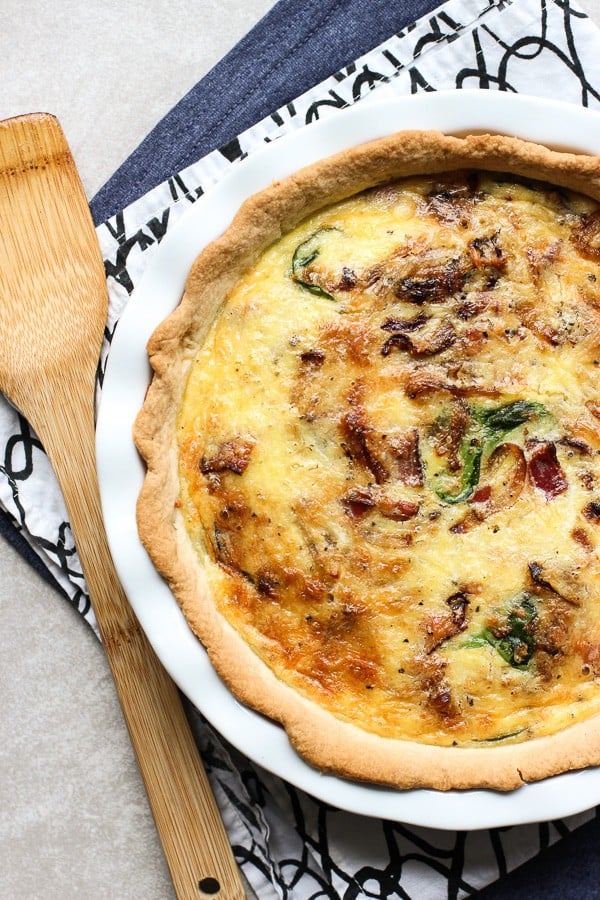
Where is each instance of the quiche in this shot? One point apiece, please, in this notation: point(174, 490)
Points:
point(372, 447)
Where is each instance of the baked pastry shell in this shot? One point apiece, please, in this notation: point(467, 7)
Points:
point(328, 743)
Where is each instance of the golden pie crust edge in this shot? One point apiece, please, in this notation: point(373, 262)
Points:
point(324, 741)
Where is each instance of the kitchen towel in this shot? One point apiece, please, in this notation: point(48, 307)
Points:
point(289, 845)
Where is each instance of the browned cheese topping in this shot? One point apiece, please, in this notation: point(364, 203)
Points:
point(390, 459)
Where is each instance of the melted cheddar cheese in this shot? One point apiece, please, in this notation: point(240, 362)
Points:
point(389, 454)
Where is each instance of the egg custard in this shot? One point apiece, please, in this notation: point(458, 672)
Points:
point(373, 460)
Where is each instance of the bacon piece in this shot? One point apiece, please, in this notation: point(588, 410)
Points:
point(400, 510)
point(422, 345)
point(313, 358)
point(395, 325)
point(359, 500)
point(592, 512)
point(358, 434)
point(348, 280)
point(551, 633)
point(545, 470)
point(582, 538)
point(422, 380)
point(439, 627)
point(588, 480)
point(232, 455)
point(486, 252)
point(561, 581)
point(472, 305)
point(449, 434)
point(505, 472)
point(482, 494)
point(435, 286)
point(586, 235)
point(407, 466)
point(430, 670)
point(576, 444)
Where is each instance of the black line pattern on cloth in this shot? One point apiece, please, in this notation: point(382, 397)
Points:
point(178, 189)
point(531, 46)
point(62, 552)
point(496, 841)
point(153, 232)
point(233, 776)
point(109, 331)
point(286, 838)
point(26, 442)
point(418, 82)
point(435, 36)
point(17, 467)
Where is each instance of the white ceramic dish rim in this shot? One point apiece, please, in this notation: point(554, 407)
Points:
point(121, 472)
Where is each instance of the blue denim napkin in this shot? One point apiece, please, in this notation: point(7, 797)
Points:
point(295, 46)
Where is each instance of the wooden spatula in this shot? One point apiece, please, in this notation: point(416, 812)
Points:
point(53, 307)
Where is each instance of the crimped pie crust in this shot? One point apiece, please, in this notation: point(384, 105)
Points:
point(326, 741)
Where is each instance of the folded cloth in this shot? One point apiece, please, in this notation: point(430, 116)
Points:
point(295, 46)
point(290, 845)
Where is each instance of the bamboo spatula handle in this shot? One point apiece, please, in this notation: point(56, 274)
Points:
point(188, 821)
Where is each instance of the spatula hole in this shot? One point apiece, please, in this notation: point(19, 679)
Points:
point(209, 886)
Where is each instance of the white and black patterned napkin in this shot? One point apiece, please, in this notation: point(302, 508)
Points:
point(289, 845)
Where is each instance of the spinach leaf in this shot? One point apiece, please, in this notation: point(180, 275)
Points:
point(488, 427)
point(514, 641)
point(306, 253)
point(497, 422)
point(501, 737)
point(471, 455)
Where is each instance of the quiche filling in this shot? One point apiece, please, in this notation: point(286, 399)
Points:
point(389, 458)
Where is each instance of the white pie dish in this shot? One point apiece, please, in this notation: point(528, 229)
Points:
point(121, 472)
